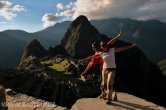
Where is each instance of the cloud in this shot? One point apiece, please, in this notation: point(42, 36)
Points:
point(4, 5)
point(64, 12)
point(70, 5)
point(8, 15)
point(136, 9)
point(104, 9)
point(98, 9)
point(2, 22)
point(49, 20)
point(153, 9)
point(8, 11)
point(18, 8)
point(60, 6)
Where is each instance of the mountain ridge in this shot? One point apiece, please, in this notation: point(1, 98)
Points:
point(51, 36)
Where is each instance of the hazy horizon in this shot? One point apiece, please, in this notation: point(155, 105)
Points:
point(71, 21)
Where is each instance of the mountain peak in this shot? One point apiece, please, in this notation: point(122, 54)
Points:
point(82, 19)
point(34, 43)
point(79, 31)
point(34, 49)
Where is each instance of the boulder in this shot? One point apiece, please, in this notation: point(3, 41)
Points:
point(3, 105)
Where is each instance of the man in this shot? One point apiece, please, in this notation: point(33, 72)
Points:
point(94, 61)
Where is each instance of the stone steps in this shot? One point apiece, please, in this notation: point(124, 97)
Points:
point(25, 102)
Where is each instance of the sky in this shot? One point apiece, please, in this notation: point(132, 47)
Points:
point(35, 15)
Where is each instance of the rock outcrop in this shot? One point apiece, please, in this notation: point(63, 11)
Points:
point(162, 66)
point(125, 102)
point(36, 83)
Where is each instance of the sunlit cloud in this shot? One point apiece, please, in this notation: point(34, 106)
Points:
point(64, 12)
point(8, 15)
point(135, 9)
point(104, 9)
point(8, 11)
point(4, 5)
point(49, 20)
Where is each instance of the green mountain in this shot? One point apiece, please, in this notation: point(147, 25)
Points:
point(79, 33)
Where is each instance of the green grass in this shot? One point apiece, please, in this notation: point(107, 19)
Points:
point(29, 58)
point(46, 62)
point(60, 67)
point(57, 67)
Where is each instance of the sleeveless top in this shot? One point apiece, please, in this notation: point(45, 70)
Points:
point(108, 58)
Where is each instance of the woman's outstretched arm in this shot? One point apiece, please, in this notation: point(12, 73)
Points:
point(124, 48)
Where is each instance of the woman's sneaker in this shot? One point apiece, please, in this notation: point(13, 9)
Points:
point(108, 102)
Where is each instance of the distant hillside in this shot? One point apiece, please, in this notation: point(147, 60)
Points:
point(13, 42)
point(10, 50)
point(52, 36)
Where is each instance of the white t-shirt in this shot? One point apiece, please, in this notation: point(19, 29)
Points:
point(108, 58)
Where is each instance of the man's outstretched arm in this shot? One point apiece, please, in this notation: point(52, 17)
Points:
point(124, 48)
point(112, 41)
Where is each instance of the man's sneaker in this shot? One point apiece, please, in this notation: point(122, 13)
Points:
point(115, 98)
